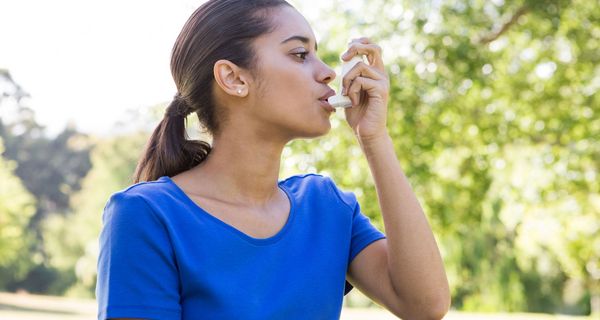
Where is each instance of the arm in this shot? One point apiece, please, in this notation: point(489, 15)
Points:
point(404, 272)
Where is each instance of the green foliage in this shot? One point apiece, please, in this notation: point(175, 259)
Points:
point(72, 239)
point(17, 206)
point(494, 114)
point(50, 168)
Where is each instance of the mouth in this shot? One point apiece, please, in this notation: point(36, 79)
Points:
point(328, 94)
point(325, 103)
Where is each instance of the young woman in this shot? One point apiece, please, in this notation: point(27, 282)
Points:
point(209, 232)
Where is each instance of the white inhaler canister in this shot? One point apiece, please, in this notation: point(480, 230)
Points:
point(339, 100)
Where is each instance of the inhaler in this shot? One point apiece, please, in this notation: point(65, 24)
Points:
point(339, 100)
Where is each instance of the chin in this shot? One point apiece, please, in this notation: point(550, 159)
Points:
point(313, 126)
point(318, 132)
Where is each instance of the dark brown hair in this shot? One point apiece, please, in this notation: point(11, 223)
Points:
point(219, 29)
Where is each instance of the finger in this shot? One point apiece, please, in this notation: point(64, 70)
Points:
point(359, 85)
point(371, 50)
point(364, 40)
point(359, 70)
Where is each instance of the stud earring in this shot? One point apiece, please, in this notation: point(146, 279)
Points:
point(239, 91)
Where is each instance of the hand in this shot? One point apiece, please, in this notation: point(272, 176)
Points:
point(367, 86)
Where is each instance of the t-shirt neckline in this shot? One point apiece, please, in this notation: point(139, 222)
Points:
point(257, 241)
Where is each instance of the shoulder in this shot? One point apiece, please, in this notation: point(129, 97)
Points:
point(144, 189)
point(319, 185)
point(137, 199)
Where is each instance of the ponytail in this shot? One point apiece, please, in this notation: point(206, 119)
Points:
point(169, 152)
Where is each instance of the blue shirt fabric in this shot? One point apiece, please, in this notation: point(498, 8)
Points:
point(164, 257)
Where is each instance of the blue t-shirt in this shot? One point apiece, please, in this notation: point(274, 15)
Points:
point(164, 257)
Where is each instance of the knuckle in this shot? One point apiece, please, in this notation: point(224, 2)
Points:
point(377, 48)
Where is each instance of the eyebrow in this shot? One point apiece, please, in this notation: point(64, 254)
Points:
point(300, 38)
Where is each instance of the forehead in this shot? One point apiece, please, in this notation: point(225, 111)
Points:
point(288, 22)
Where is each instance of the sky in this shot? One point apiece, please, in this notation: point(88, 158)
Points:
point(87, 62)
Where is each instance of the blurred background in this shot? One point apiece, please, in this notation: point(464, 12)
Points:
point(494, 111)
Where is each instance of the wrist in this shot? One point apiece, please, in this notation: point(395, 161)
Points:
point(375, 142)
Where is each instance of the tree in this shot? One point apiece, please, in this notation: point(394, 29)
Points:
point(72, 239)
point(480, 91)
point(17, 206)
point(50, 168)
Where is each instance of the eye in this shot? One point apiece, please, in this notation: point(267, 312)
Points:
point(301, 55)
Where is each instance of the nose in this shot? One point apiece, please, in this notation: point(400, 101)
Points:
point(326, 74)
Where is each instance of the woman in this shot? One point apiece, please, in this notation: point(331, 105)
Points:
point(208, 232)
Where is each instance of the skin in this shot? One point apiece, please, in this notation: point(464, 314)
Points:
point(278, 104)
point(404, 272)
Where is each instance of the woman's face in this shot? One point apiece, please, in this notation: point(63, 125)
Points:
point(292, 79)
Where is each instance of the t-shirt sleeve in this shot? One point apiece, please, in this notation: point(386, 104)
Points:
point(137, 273)
point(363, 232)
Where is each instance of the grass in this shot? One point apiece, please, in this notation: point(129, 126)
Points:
point(37, 307)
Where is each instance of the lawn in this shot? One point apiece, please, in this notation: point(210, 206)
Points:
point(36, 307)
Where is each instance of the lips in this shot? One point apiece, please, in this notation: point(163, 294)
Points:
point(325, 103)
point(327, 106)
point(328, 94)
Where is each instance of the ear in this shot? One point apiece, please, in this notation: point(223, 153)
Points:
point(231, 78)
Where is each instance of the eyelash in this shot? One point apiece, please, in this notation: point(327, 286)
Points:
point(303, 54)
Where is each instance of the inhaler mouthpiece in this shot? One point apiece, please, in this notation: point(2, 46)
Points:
point(339, 100)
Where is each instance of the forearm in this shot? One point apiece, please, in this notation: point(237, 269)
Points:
point(415, 266)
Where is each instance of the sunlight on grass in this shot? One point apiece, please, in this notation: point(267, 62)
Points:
point(37, 307)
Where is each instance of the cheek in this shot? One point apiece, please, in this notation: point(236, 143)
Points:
point(284, 88)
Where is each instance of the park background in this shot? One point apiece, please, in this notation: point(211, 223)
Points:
point(494, 112)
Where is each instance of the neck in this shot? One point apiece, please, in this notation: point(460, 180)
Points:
point(244, 169)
